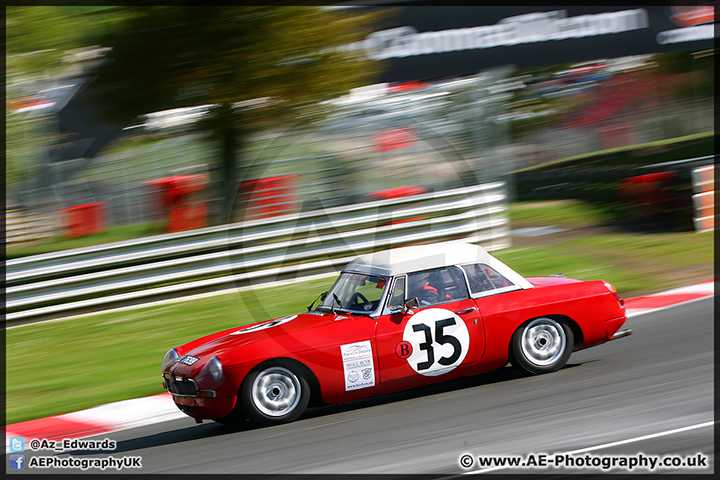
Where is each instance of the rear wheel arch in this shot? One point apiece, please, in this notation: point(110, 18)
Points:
point(576, 330)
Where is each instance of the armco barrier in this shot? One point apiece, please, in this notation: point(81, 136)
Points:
point(258, 251)
point(22, 226)
point(704, 198)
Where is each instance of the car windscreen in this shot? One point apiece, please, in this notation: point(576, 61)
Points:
point(355, 292)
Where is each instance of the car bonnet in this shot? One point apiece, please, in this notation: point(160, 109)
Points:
point(259, 332)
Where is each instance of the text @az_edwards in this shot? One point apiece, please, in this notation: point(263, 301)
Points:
point(70, 444)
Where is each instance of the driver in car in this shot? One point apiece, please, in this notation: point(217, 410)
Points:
point(422, 288)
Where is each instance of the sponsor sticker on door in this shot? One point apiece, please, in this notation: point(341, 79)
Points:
point(358, 365)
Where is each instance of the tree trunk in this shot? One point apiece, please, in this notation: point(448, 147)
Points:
point(229, 169)
point(231, 137)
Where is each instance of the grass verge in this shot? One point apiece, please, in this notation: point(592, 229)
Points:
point(567, 213)
point(635, 264)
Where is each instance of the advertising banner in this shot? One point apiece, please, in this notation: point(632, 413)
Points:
point(430, 42)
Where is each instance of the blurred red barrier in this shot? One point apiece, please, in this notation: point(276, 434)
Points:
point(269, 196)
point(188, 217)
point(398, 192)
point(175, 199)
point(395, 138)
point(82, 220)
point(653, 193)
point(407, 86)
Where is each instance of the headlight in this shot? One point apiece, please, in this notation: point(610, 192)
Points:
point(169, 357)
point(213, 369)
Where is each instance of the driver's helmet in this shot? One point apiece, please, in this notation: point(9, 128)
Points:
point(433, 283)
point(423, 284)
point(416, 282)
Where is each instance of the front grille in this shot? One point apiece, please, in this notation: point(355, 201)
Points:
point(181, 385)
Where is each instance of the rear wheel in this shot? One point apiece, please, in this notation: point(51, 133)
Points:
point(275, 394)
point(542, 345)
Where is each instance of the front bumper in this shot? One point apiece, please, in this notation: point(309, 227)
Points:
point(195, 402)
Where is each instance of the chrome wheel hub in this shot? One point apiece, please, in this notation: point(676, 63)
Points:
point(543, 341)
point(276, 391)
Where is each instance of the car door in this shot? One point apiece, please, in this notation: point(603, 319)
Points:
point(498, 300)
point(429, 343)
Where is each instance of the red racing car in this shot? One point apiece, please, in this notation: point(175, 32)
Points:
point(393, 320)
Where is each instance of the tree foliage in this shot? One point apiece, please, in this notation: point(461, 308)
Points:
point(229, 57)
point(39, 41)
point(165, 57)
point(38, 38)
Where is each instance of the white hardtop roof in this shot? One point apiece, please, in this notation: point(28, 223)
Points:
point(401, 260)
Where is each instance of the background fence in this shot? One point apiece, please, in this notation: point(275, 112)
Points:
point(636, 127)
point(433, 136)
point(247, 253)
point(437, 137)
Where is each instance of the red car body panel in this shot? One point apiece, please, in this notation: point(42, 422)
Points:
point(315, 340)
point(395, 372)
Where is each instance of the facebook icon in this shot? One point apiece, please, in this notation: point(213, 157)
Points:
point(17, 462)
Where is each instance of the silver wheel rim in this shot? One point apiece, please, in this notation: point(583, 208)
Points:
point(543, 341)
point(276, 391)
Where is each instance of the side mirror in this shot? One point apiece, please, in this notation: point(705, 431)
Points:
point(322, 299)
point(411, 303)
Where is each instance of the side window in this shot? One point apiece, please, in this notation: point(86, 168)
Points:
point(479, 282)
point(455, 287)
point(397, 296)
point(483, 278)
point(497, 280)
point(439, 285)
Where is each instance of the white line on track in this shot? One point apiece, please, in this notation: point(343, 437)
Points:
point(640, 439)
point(611, 444)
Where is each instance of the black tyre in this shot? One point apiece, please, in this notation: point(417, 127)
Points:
point(541, 345)
point(275, 394)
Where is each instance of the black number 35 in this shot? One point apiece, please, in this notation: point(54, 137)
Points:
point(440, 338)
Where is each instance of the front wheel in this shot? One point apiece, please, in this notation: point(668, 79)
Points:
point(543, 345)
point(274, 395)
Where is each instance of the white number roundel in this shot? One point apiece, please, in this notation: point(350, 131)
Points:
point(439, 340)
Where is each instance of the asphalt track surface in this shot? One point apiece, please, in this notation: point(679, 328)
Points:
point(655, 381)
